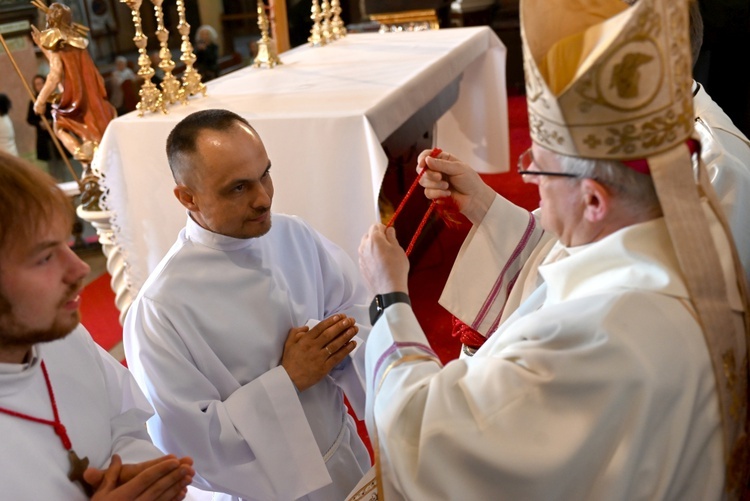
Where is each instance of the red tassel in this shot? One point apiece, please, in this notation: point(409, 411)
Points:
point(467, 335)
point(448, 211)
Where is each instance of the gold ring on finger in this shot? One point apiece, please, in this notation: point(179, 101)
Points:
point(328, 350)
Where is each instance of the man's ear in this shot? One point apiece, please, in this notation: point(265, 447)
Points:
point(186, 197)
point(597, 200)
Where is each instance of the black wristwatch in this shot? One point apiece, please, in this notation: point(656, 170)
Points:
point(383, 301)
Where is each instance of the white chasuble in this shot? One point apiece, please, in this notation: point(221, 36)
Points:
point(599, 386)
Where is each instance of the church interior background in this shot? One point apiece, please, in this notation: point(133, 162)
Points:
point(235, 21)
point(111, 32)
point(727, 32)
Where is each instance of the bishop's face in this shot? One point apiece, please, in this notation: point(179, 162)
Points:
point(561, 204)
point(228, 188)
point(40, 285)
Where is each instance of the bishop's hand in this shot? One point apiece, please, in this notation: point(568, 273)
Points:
point(383, 262)
point(447, 176)
point(311, 353)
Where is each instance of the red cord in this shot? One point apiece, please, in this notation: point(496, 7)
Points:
point(56, 424)
point(445, 207)
point(434, 153)
point(420, 228)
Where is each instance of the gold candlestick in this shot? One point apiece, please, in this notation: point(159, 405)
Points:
point(191, 79)
point(325, 24)
point(337, 25)
point(266, 47)
point(171, 88)
point(316, 38)
point(151, 99)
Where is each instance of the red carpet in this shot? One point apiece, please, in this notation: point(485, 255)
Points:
point(99, 314)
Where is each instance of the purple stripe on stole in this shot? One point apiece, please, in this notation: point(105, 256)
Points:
point(497, 287)
point(496, 323)
point(395, 346)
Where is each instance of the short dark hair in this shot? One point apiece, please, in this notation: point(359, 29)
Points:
point(696, 29)
point(5, 105)
point(182, 140)
point(29, 199)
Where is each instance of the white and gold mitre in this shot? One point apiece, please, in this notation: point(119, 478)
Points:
point(607, 80)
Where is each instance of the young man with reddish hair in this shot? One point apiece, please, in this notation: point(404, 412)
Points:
point(73, 419)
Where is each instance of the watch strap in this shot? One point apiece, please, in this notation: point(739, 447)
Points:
point(383, 301)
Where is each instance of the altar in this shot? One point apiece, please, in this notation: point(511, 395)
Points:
point(322, 115)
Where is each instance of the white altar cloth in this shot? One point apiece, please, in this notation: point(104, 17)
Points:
point(322, 116)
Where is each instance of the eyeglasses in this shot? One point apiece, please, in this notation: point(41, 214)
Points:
point(527, 159)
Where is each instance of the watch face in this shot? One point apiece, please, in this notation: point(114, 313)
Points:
point(383, 301)
point(376, 309)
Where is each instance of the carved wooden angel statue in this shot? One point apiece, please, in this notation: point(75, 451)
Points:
point(82, 111)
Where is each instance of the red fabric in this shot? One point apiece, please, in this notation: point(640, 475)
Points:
point(641, 164)
point(467, 335)
point(83, 108)
point(448, 212)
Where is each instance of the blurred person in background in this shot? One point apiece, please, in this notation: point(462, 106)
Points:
point(207, 52)
point(7, 132)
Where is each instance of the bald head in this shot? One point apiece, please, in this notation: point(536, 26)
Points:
point(182, 143)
